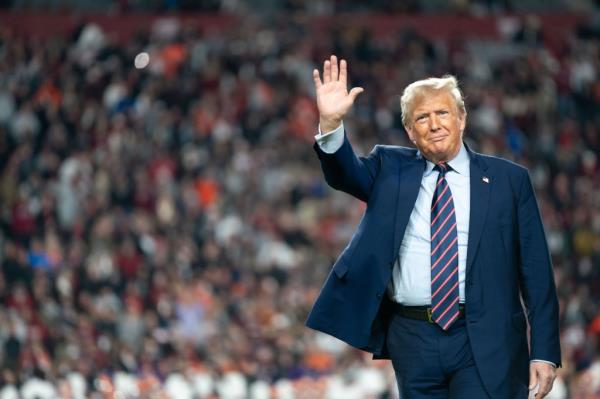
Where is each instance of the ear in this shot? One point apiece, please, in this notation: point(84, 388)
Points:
point(462, 122)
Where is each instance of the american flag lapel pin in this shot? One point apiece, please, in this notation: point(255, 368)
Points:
point(485, 179)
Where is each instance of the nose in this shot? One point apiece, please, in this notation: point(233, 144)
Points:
point(434, 123)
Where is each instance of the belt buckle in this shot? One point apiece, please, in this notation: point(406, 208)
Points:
point(429, 319)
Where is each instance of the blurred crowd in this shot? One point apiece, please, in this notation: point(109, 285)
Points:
point(312, 7)
point(165, 226)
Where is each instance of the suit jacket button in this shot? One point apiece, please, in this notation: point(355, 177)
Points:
point(378, 295)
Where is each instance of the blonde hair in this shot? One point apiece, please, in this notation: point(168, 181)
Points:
point(421, 87)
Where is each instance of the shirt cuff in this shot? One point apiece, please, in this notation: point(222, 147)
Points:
point(543, 361)
point(330, 142)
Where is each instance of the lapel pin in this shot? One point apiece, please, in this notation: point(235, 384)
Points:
point(485, 179)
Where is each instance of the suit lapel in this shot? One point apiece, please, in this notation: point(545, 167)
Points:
point(480, 192)
point(409, 184)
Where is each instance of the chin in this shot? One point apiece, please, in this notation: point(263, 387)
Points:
point(440, 149)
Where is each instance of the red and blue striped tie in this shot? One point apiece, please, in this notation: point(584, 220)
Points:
point(444, 253)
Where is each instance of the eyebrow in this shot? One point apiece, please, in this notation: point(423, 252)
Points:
point(443, 109)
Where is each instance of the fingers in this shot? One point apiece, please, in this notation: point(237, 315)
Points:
point(326, 71)
point(533, 378)
point(546, 383)
point(355, 92)
point(334, 68)
point(331, 71)
point(343, 72)
point(317, 79)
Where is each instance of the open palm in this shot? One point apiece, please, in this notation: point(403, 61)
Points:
point(333, 98)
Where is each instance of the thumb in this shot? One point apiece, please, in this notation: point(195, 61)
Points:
point(355, 92)
point(533, 378)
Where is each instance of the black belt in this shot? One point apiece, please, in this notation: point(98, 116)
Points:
point(422, 312)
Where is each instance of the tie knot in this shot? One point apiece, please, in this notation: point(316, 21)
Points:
point(442, 168)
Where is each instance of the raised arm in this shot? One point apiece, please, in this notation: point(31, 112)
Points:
point(343, 169)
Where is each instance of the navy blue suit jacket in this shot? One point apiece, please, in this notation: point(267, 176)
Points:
point(507, 258)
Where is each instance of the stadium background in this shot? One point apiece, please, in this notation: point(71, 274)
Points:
point(164, 230)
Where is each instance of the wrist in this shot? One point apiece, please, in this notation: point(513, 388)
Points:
point(329, 124)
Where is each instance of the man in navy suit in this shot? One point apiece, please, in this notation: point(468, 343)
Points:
point(449, 262)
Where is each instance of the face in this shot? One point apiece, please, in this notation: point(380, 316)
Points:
point(436, 126)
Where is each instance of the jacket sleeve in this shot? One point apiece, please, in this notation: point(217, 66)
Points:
point(346, 171)
point(537, 279)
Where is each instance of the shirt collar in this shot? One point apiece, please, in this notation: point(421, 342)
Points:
point(460, 163)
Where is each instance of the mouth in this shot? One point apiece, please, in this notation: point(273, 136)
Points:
point(438, 137)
